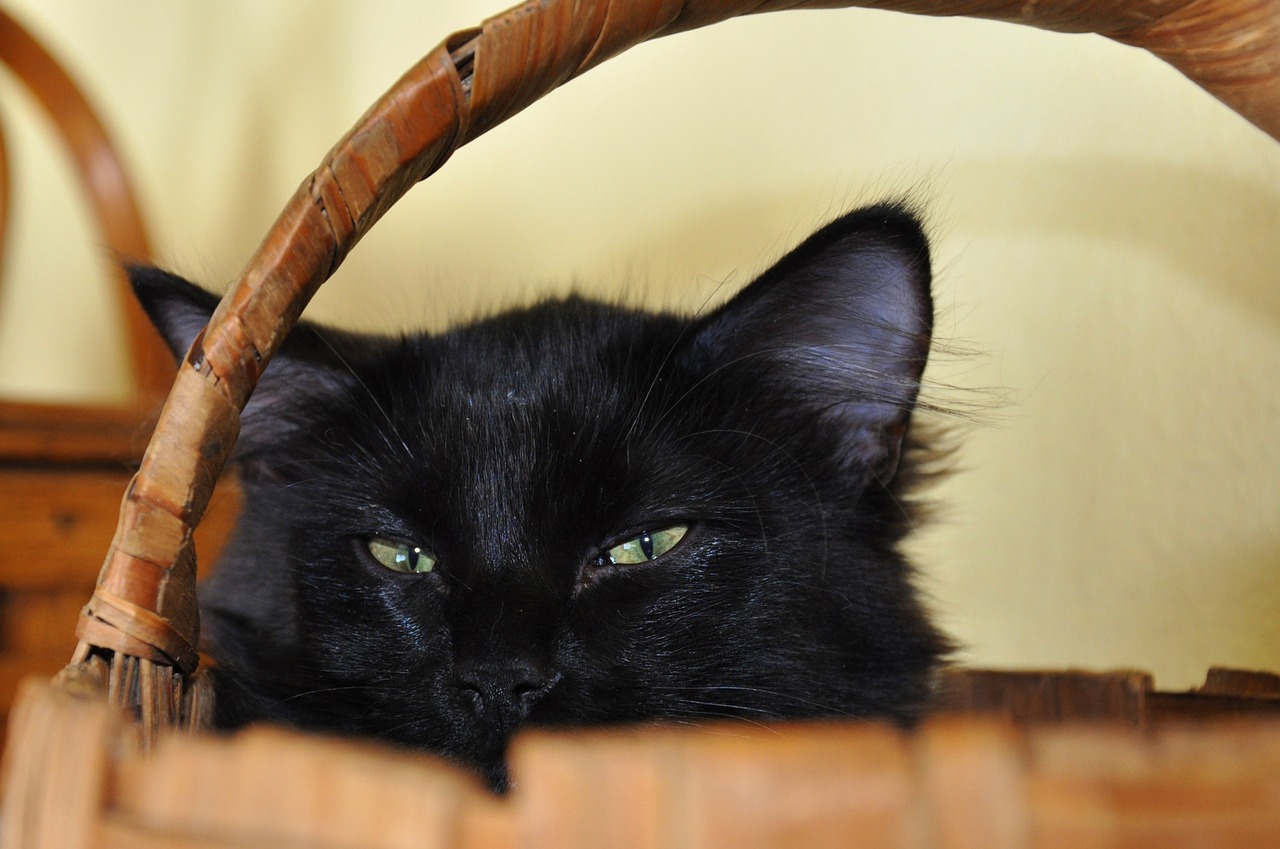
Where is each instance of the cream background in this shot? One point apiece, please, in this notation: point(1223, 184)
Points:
point(1107, 260)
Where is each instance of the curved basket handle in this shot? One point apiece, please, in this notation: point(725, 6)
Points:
point(143, 614)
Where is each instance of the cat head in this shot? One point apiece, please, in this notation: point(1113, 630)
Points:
point(582, 513)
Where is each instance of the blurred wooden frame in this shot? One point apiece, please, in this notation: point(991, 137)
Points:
point(62, 466)
point(66, 434)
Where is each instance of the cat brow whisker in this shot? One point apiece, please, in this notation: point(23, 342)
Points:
point(689, 324)
point(391, 425)
point(771, 353)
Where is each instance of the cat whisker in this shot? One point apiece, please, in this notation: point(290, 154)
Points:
point(706, 378)
point(391, 425)
point(729, 711)
point(821, 707)
point(390, 732)
point(318, 691)
point(666, 357)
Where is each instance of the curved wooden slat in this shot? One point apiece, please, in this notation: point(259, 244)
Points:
point(4, 200)
point(107, 188)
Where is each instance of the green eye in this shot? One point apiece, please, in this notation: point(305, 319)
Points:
point(649, 545)
point(400, 556)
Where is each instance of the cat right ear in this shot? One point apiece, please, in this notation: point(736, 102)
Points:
point(177, 308)
point(838, 330)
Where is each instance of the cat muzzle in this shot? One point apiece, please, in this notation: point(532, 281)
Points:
point(502, 694)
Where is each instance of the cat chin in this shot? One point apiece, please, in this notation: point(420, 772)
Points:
point(473, 746)
point(493, 771)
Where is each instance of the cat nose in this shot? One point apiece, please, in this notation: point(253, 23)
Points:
point(504, 693)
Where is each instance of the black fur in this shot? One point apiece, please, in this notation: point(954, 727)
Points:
point(520, 447)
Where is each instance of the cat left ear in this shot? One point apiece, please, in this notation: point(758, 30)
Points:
point(841, 327)
point(178, 309)
point(311, 366)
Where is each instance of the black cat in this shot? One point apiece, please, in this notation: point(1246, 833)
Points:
point(584, 513)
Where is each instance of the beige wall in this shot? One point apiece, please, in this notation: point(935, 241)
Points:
point(1106, 235)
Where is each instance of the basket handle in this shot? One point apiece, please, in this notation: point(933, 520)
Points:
point(142, 619)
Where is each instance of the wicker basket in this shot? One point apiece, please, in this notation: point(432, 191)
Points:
point(77, 776)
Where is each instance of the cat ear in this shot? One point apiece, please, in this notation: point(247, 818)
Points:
point(177, 309)
point(313, 366)
point(841, 328)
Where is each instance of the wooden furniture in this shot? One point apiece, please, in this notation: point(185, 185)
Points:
point(62, 467)
point(1124, 698)
point(78, 775)
point(45, 433)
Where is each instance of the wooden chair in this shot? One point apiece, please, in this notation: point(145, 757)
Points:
point(63, 467)
point(93, 760)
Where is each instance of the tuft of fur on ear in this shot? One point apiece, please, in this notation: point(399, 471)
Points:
point(313, 366)
point(843, 323)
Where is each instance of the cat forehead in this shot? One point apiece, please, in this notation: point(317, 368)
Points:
point(514, 357)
